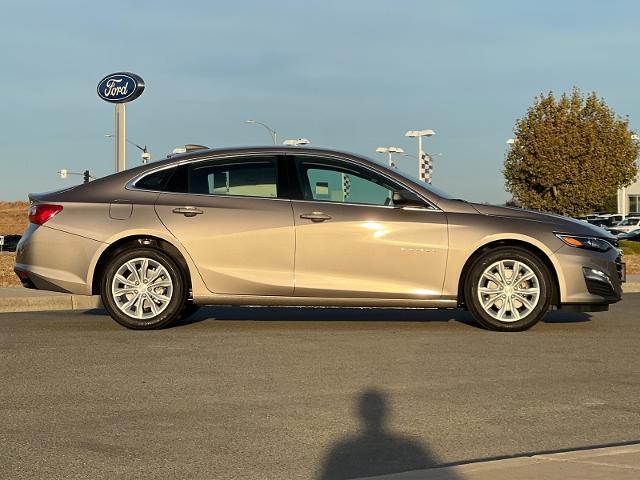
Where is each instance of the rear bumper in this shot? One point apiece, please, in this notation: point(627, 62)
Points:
point(49, 259)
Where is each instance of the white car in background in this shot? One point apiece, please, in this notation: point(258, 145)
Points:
point(625, 226)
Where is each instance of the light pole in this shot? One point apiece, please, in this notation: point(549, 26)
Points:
point(145, 156)
point(296, 142)
point(390, 151)
point(424, 167)
point(272, 132)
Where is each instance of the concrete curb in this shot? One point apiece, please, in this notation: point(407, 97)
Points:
point(615, 463)
point(25, 300)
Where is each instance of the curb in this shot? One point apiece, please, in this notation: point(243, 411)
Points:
point(618, 462)
point(26, 301)
point(633, 287)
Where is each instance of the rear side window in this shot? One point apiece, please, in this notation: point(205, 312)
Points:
point(155, 181)
point(247, 177)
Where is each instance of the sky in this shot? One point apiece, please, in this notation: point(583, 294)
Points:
point(350, 75)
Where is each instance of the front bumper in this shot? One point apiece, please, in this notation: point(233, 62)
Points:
point(590, 280)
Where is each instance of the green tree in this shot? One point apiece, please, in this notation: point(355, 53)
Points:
point(570, 154)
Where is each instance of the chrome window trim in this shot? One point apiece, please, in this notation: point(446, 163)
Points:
point(236, 197)
point(389, 207)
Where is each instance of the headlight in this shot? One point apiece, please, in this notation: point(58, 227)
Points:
point(588, 243)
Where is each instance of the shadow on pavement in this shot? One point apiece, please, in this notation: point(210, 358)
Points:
point(566, 317)
point(356, 314)
point(228, 313)
point(375, 450)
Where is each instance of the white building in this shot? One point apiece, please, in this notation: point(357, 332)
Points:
point(629, 199)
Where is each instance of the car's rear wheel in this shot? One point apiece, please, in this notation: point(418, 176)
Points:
point(143, 289)
point(508, 289)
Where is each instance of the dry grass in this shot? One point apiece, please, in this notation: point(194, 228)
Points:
point(7, 277)
point(13, 217)
point(633, 264)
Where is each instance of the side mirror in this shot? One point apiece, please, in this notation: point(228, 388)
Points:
point(406, 198)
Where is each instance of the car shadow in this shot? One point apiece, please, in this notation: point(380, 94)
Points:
point(558, 316)
point(326, 314)
point(332, 314)
point(375, 449)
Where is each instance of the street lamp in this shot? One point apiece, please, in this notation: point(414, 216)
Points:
point(390, 151)
point(272, 132)
point(296, 142)
point(424, 170)
point(146, 156)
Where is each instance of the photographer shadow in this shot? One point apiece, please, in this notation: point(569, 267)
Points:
point(375, 450)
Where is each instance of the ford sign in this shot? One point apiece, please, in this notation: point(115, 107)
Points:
point(120, 87)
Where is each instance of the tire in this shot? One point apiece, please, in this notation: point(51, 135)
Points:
point(497, 301)
point(155, 307)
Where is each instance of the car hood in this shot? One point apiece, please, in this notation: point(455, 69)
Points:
point(559, 222)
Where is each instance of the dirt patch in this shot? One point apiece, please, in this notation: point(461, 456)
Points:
point(13, 218)
point(633, 264)
point(7, 277)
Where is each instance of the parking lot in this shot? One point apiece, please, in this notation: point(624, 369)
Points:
point(270, 393)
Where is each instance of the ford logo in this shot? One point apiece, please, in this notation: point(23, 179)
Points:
point(120, 87)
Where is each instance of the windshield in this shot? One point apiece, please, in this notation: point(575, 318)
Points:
point(414, 179)
point(628, 222)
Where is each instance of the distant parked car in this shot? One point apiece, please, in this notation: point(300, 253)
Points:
point(11, 242)
point(633, 236)
point(625, 226)
point(606, 220)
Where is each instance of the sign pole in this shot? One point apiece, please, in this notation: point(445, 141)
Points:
point(121, 137)
point(120, 88)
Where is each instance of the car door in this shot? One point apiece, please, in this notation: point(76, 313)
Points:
point(228, 214)
point(351, 241)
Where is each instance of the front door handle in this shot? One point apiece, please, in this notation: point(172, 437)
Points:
point(188, 211)
point(316, 216)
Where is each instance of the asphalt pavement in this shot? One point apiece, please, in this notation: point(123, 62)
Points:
point(258, 393)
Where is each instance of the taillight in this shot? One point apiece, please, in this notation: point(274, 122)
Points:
point(42, 212)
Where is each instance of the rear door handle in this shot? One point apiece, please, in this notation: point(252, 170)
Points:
point(316, 216)
point(188, 211)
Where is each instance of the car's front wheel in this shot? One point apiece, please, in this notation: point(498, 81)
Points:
point(143, 289)
point(508, 289)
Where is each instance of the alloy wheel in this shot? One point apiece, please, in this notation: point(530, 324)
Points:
point(142, 288)
point(509, 290)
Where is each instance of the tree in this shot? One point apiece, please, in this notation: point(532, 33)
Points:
point(570, 155)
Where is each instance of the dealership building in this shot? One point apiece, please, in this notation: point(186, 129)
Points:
point(629, 199)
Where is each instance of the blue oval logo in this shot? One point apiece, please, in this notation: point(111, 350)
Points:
point(120, 87)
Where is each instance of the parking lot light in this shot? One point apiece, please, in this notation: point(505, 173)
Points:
point(296, 142)
point(272, 132)
point(390, 151)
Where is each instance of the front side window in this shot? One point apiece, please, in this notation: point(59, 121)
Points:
point(328, 180)
point(254, 177)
